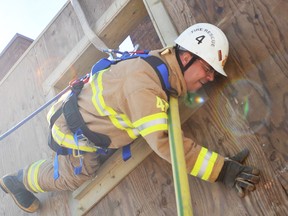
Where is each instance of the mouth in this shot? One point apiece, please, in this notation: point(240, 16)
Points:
point(203, 83)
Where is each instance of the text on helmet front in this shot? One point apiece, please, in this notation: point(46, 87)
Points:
point(202, 37)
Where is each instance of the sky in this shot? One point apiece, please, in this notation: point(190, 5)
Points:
point(30, 18)
point(26, 17)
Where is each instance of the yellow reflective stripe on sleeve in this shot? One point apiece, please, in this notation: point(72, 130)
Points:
point(97, 91)
point(61, 138)
point(204, 164)
point(32, 177)
point(152, 123)
point(120, 121)
point(149, 118)
point(127, 125)
point(67, 140)
point(199, 161)
point(153, 129)
point(210, 166)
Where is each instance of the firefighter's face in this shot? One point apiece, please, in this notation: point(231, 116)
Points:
point(198, 74)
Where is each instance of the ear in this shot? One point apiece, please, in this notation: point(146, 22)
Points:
point(185, 57)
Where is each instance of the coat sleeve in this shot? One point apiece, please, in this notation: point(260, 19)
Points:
point(147, 110)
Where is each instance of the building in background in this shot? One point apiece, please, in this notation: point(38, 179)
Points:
point(12, 52)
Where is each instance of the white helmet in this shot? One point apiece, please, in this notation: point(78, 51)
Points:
point(208, 42)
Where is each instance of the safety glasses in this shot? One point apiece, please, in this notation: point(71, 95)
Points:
point(207, 68)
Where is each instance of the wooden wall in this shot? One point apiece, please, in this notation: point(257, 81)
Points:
point(248, 109)
point(21, 93)
point(62, 49)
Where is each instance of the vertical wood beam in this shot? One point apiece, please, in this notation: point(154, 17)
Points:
point(161, 21)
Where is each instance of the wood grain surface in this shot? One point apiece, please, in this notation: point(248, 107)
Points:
point(247, 109)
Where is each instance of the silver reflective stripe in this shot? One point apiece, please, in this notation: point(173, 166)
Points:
point(62, 138)
point(98, 95)
point(204, 165)
point(32, 176)
point(125, 126)
point(152, 123)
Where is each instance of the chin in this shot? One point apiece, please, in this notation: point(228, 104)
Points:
point(193, 90)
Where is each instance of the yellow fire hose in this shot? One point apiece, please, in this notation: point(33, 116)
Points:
point(182, 191)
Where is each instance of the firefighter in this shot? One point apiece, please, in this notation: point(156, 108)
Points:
point(121, 101)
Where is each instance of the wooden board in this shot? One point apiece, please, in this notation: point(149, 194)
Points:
point(148, 190)
point(246, 110)
point(249, 109)
point(257, 69)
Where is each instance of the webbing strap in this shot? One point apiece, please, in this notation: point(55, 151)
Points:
point(161, 70)
point(101, 65)
point(156, 63)
point(56, 167)
point(54, 117)
point(60, 150)
point(126, 152)
point(75, 121)
point(78, 170)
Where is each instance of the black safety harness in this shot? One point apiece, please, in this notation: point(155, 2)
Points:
point(75, 120)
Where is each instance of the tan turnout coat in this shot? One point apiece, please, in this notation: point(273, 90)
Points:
point(132, 90)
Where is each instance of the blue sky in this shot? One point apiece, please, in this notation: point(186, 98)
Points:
point(26, 17)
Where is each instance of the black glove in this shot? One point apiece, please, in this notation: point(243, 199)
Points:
point(236, 175)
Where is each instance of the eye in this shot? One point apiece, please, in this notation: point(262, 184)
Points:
point(207, 68)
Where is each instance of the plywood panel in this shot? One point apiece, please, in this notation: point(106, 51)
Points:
point(257, 66)
point(21, 93)
point(249, 109)
point(133, 195)
point(223, 129)
point(146, 191)
point(149, 190)
point(261, 87)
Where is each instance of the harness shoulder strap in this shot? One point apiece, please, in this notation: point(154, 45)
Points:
point(75, 122)
point(156, 63)
point(101, 65)
point(161, 70)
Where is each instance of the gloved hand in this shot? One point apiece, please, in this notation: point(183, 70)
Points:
point(236, 175)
